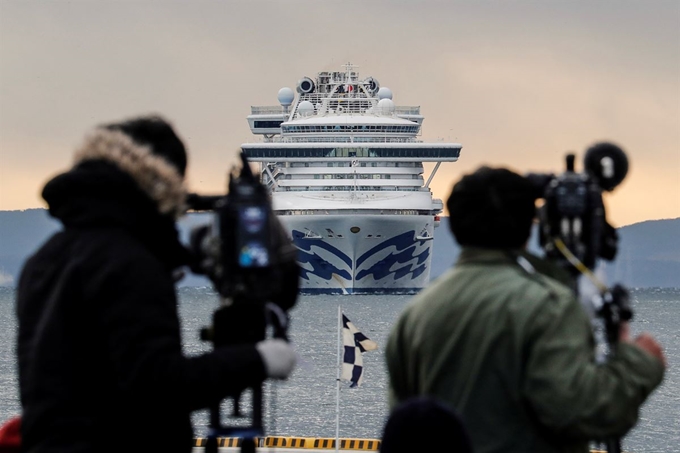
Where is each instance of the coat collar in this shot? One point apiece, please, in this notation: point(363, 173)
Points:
point(469, 255)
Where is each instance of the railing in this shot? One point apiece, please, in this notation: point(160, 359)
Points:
point(266, 109)
point(407, 110)
point(335, 211)
point(279, 139)
point(337, 105)
point(345, 139)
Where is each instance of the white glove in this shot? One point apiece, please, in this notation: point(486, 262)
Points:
point(278, 357)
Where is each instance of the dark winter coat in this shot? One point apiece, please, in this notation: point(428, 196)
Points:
point(100, 358)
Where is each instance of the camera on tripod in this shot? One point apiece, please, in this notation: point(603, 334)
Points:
point(251, 262)
point(573, 228)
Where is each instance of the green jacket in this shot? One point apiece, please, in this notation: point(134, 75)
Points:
point(513, 352)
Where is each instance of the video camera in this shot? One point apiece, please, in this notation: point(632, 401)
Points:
point(245, 251)
point(573, 212)
point(252, 264)
point(573, 228)
point(574, 232)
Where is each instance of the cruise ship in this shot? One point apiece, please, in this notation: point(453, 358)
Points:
point(344, 167)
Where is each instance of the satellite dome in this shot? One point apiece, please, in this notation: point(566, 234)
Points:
point(384, 93)
point(385, 106)
point(305, 108)
point(286, 96)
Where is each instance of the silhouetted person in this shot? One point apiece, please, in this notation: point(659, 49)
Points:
point(101, 367)
point(424, 425)
point(510, 349)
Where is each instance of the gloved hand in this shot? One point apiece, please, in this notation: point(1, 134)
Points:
point(278, 357)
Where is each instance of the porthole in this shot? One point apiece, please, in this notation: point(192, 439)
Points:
point(355, 229)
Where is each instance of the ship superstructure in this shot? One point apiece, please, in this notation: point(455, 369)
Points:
point(345, 169)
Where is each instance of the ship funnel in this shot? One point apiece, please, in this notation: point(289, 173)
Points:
point(372, 86)
point(305, 85)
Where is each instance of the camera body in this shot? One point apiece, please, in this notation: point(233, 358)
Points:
point(244, 250)
point(573, 228)
point(573, 212)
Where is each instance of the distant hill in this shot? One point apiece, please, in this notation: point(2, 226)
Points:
point(649, 252)
point(649, 255)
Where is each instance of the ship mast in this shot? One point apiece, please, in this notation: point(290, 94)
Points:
point(349, 70)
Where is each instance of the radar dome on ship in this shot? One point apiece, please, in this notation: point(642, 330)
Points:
point(384, 93)
point(385, 106)
point(286, 96)
point(305, 108)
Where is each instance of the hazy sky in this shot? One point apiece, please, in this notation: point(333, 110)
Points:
point(518, 83)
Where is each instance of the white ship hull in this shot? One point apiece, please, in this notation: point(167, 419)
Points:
point(362, 254)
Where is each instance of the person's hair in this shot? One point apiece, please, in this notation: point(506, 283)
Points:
point(424, 424)
point(158, 134)
point(492, 208)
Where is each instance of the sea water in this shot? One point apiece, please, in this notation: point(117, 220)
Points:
point(305, 405)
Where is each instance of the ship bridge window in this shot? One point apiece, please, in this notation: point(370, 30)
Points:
point(267, 124)
point(341, 128)
point(434, 152)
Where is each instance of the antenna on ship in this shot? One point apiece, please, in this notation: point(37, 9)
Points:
point(349, 69)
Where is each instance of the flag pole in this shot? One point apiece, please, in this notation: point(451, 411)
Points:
point(337, 385)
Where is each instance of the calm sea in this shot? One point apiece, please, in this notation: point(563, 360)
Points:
point(305, 405)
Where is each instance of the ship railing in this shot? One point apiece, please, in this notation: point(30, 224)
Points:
point(345, 139)
point(266, 109)
point(407, 110)
point(344, 105)
point(331, 211)
point(362, 107)
point(356, 140)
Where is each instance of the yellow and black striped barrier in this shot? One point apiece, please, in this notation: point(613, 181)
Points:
point(281, 441)
point(308, 443)
point(221, 442)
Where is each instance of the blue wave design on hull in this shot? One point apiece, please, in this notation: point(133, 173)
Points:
point(404, 243)
point(320, 267)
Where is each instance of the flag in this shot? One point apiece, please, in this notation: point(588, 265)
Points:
point(354, 343)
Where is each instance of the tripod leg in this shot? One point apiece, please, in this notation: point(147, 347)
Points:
point(215, 423)
point(257, 408)
point(211, 445)
point(614, 445)
point(248, 445)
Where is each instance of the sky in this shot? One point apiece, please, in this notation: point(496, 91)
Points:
point(517, 83)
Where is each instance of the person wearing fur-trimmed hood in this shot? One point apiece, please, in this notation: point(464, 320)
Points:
point(101, 366)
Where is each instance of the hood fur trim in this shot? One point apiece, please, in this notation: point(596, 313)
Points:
point(154, 175)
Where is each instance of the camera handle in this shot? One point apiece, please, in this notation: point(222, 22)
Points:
point(614, 308)
point(242, 322)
